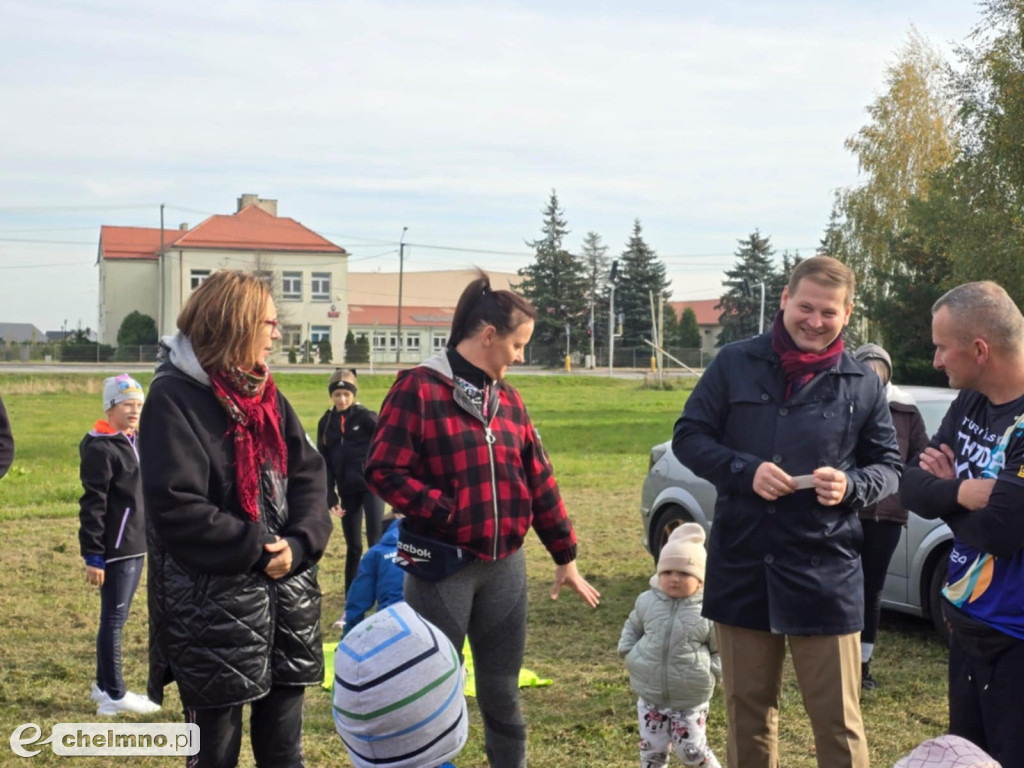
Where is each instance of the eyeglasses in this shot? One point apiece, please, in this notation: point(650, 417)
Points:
point(271, 323)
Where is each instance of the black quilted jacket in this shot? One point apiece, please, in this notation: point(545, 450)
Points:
point(219, 626)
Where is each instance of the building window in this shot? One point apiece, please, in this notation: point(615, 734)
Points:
point(320, 289)
point(440, 342)
point(320, 333)
point(291, 336)
point(412, 341)
point(197, 277)
point(380, 341)
point(291, 286)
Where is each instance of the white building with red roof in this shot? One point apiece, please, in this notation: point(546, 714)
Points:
point(428, 305)
point(155, 270)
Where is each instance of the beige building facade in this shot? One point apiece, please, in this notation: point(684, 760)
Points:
point(155, 271)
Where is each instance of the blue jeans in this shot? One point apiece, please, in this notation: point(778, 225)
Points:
point(120, 580)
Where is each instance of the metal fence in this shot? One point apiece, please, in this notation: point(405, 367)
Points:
point(625, 357)
point(25, 352)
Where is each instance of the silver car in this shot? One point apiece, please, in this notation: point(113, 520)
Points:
point(673, 495)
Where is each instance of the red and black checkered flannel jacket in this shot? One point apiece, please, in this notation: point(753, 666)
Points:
point(430, 459)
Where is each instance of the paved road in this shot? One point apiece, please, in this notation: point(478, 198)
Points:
point(112, 368)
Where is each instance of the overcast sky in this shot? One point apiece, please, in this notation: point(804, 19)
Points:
point(453, 118)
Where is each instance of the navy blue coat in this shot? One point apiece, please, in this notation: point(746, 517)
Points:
point(792, 565)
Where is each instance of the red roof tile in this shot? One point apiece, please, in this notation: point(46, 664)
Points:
point(412, 317)
point(251, 229)
point(705, 310)
point(134, 242)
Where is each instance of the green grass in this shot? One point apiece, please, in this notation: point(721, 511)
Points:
point(598, 433)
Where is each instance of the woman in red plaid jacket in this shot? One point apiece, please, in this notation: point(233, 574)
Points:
point(455, 452)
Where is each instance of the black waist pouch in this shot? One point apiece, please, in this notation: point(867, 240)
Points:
point(427, 558)
point(979, 640)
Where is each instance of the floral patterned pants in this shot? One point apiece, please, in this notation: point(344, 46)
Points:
point(661, 727)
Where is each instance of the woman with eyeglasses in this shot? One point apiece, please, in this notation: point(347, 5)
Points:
point(237, 520)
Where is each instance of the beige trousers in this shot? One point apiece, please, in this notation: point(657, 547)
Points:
point(828, 675)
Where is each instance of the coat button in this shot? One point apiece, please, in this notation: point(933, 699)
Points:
point(829, 414)
point(769, 559)
point(770, 509)
point(783, 411)
point(764, 397)
point(815, 561)
point(777, 458)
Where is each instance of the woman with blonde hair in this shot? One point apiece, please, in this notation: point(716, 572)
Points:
point(235, 499)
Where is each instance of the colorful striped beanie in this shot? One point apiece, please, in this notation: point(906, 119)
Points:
point(398, 700)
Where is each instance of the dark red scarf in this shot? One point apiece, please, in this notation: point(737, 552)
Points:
point(798, 365)
point(250, 398)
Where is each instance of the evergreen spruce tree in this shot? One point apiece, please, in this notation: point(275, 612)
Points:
point(640, 272)
point(555, 283)
point(688, 332)
point(595, 258)
point(740, 306)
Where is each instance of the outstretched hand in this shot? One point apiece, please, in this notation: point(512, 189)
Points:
point(569, 575)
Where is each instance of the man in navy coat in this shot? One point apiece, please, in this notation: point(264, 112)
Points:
point(796, 436)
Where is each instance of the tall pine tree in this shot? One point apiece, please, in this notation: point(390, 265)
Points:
point(740, 306)
point(555, 283)
point(595, 258)
point(640, 272)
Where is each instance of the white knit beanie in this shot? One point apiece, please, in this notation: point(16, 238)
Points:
point(398, 692)
point(684, 551)
point(117, 389)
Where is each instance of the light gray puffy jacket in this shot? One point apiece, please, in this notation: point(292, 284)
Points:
point(670, 650)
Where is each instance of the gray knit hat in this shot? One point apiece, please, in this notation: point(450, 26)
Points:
point(398, 698)
point(866, 352)
point(684, 551)
point(117, 389)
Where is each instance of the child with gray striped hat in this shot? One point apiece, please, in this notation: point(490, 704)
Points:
point(398, 692)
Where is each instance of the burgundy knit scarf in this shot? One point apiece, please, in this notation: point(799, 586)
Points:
point(250, 398)
point(800, 366)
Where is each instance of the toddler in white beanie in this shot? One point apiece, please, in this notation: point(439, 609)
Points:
point(666, 639)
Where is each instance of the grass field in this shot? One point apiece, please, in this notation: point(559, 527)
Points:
point(598, 433)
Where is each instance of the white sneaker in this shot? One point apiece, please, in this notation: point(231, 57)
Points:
point(95, 694)
point(131, 702)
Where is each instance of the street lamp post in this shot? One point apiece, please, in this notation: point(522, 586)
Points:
point(401, 270)
point(611, 316)
point(760, 320)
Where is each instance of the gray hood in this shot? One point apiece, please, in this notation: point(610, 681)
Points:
point(177, 350)
point(439, 362)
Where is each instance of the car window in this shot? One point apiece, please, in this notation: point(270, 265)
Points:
point(932, 412)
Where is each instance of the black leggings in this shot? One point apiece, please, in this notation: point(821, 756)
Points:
point(880, 540)
point(352, 527)
point(486, 600)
